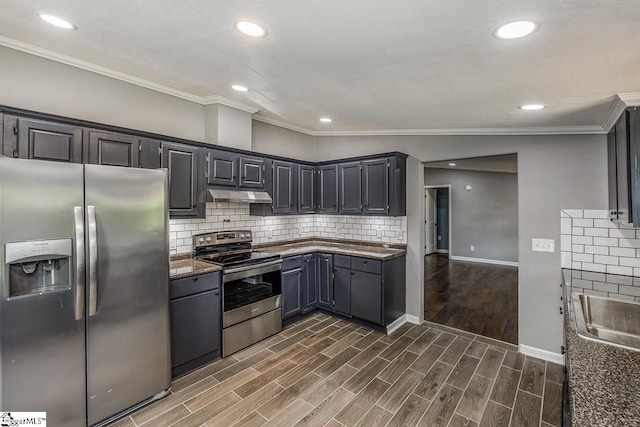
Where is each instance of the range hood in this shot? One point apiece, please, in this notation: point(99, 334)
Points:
point(240, 196)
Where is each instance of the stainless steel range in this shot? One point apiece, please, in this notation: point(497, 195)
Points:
point(251, 291)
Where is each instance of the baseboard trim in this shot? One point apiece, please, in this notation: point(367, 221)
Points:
point(483, 260)
point(442, 251)
point(549, 356)
point(413, 319)
point(393, 326)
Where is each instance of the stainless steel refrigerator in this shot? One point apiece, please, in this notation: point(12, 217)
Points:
point(84, 318)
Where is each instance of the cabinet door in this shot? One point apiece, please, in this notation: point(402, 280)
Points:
point(328, 189)
point(625, 213)
point(342, 290)
point(111, 149)
point(309, 282)
point(366, 296)
point(291, 293)
point(222, 168)
point(284, 187)
point(41, 140)
point(350, 179)
point(325, 281)
point(251, 172)
point(375, 187)
point(306, 189)
point(195, 326)
point(150, 153)
point(182, 163)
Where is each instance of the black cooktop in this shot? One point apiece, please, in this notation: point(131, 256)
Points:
point(232, 259)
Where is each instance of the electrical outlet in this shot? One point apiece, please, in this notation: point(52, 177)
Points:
point(439, 237)
point(173, 244)
point(543, 245)
point(271, 233)
point(472, 248)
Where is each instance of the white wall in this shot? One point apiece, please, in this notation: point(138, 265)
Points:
point(38, 84)
point(554, 172)
point(228, 126)
point(278, 141)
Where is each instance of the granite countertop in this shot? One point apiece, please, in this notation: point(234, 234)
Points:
point(287, 249)
point(181, 267)
point(604, 380)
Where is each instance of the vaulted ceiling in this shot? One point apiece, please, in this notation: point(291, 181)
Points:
point(371, 65)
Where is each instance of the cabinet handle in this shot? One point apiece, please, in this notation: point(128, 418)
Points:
point(365, 263)
point(217, 293)
point(352, 273)
point(195, 278)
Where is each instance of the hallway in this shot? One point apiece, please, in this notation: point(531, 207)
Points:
point(477, 298)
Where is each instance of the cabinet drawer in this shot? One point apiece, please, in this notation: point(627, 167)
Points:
point(365, 264)
point(342, 261)
point(179, 288)
point(292, 263)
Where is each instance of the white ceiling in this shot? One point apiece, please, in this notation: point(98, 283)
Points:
point(507, 163)
point(407, 66)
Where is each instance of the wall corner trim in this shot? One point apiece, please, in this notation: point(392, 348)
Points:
point(549, 356)
point(483, 260)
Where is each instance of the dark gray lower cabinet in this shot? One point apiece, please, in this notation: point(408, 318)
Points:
point(309, 282)
point(342, 290)
point(291, 293)
point(325, 281)
point(366, 296)
point(195, 322)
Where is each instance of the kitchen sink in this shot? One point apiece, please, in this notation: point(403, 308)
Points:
point(607, 320)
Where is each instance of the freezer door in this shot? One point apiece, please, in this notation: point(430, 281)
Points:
point(128, 351)
point(42, 339)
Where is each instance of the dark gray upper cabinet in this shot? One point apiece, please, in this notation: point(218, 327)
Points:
point(111, 149)
point(375, 186)
point(284, 187)
point(251, 172)
point(309, 282)
point(222, 168)
point(350, 190)
point(306, 189)
point(624, 174)
point(327, 193)
point(42, 140)
point(186, 195)
point(150, 156)
point(325, 281)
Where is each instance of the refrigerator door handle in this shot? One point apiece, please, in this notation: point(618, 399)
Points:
point(78, 223)
point(93, 260)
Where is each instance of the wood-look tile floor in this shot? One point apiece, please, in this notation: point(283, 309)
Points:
point(474, 297)
point(324, 371)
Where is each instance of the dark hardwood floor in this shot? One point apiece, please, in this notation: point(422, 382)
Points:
point(477, 298)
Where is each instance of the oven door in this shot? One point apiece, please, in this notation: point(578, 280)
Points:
point(250, 291)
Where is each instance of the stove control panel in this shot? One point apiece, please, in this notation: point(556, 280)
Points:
point(221, 238)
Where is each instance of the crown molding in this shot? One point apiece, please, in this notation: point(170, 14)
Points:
point(279, 123)
point(217, 99)
point(632, 99)
point(128, 78)
point(551, 130)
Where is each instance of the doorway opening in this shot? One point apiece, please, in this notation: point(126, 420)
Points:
point(471, 245)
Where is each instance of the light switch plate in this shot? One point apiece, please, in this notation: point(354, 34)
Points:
point(543, 245)
point(173, 244)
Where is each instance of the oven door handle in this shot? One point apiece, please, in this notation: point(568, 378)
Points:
point(251, 270)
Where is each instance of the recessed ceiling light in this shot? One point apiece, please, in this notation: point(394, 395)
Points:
point(58, 22)
point(452, 164)
point(532, 107)
point(240, 88)
point(325, 120)
point(249, 28)
point(515, 30)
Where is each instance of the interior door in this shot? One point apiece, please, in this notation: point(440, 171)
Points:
point(128, 292)
point(431, 238)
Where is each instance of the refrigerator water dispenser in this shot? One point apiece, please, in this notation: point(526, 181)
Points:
point(38, 266)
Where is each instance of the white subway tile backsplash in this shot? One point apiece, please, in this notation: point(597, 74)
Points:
point(603, 223)
point(582, 240)
point(604, 259)
point(599, 250)
point(580, 222)
point(225, 216)
point(595, 213)
point(614, 269)
point(605, 241)
point(625, 252)
point(582, 258)
point(597, 232)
